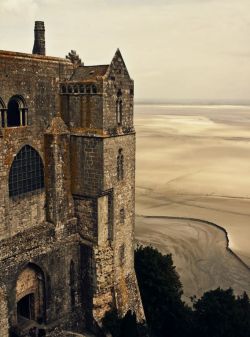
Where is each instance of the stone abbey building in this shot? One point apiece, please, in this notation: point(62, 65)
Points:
point(67, 167)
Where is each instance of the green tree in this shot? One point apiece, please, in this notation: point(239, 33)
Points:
point(219, 313)
point(161, 290)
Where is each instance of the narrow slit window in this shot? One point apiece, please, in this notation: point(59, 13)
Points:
point(120, 165)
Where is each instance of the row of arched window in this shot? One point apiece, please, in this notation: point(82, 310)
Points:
point(16, 112)
point(78, 89)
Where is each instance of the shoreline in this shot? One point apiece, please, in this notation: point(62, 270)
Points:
point(206, 223)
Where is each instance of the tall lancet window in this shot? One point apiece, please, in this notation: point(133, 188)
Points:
point(120, 165)
point(72, 280)
point(119, 112)
point(119, 107)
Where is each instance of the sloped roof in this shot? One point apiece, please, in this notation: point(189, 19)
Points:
point(89, 72)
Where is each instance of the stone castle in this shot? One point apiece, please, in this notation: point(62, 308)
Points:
point(67, 167)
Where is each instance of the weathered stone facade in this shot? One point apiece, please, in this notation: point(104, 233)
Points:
point(67, 168)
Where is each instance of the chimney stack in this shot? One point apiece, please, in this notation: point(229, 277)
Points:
point(39, 43)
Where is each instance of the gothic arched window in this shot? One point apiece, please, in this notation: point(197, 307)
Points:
point(17, 111)
point(63, 89)
point(26, 172)
point(120, 165)
point(122, 216)
point(94, 89)
point(72, 281)
point(119, 111)
point(88, 89)
point(75, 88)
point(82, 88)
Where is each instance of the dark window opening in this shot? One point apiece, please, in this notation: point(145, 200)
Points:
point(131, 91)
point(82, 89)
point(75, 89)
point(63, 89)
point(72, 284)
point(16, 112)
point(122, 216)
point(88, 90)
point(94, 89)
point(119, 112)
point(110, 217)
point(70, 89)
point(26, 173)
point(120, 168)
point(119, 93)
point(25, 307)
point(13, 113)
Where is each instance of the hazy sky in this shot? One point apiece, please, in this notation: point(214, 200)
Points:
point(174, 49)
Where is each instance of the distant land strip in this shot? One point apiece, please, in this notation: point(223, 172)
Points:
point(202, 221)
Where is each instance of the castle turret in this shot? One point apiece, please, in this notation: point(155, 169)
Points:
point(39, 43)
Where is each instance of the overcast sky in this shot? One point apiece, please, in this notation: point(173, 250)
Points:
point(174, 49)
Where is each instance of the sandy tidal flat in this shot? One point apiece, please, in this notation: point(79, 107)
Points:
point(195, 162)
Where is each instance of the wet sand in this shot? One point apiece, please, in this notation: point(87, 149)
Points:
point(195, 162)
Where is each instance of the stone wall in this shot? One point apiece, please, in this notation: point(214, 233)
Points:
point(36, 79)
point(81, 111)
point(86, 165)
point(4, 323)
point(18, 213)
point(117, 79)
point(89, 267)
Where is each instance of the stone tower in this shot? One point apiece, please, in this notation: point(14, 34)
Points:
point(39, 43)
point(67, 149)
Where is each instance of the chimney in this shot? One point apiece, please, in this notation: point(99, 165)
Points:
point(39, 43)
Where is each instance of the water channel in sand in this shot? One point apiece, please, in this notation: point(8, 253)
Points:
point(194, 162)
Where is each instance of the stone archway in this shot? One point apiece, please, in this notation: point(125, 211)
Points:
point(30, 295)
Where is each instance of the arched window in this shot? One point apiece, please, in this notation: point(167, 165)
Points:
point(119, 107)
point(63, 89)
point(2, 113)
point(75, 88)
point(94, 89)
point(88, 89)
point(119, 111)
point(70, 89)
point(17, 111)
point(26, 172)
point(30, 294)
point(82, 88)
point(122, 216)
point(120, 162)
point(72, 281)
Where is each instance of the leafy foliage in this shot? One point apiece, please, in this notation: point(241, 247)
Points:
point(161, 292)
point(218, 313)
